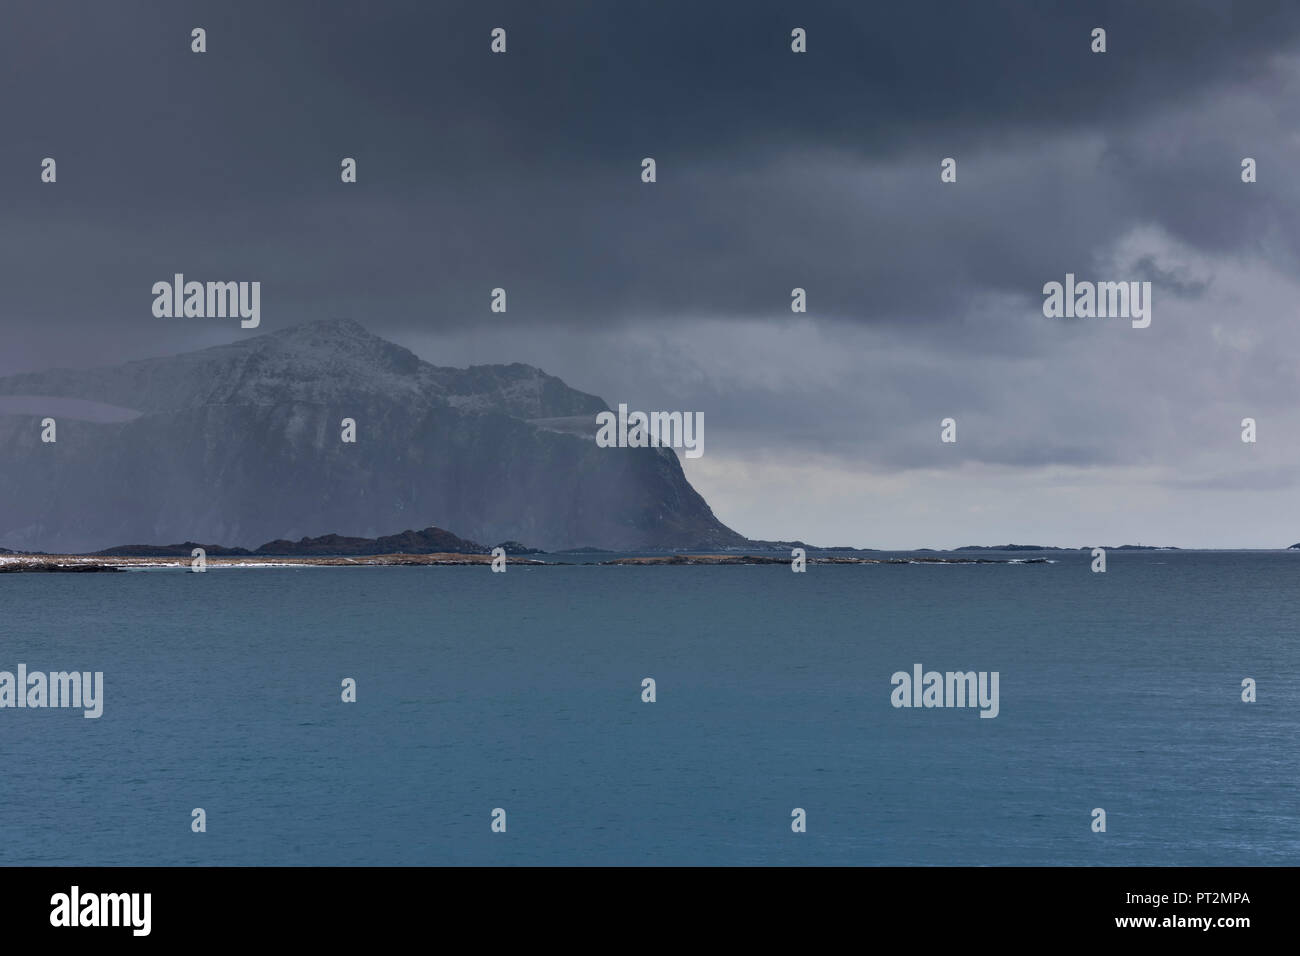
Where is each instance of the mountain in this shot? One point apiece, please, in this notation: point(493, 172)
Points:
point(241, 444)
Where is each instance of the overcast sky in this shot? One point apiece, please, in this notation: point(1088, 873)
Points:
point(775, 170)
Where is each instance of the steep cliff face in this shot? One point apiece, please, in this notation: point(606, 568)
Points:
point(240, 444)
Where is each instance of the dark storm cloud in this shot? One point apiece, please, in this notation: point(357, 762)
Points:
point(588, 83)
point(522, 170)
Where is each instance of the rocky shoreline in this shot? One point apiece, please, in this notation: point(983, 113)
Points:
point(82, 563)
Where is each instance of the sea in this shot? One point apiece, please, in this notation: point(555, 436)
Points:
point(517, 698)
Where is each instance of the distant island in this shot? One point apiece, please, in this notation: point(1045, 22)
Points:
point(429, 546)
point(433, 540)
point(1086, 547)
point(429, 541)
point(434, 545)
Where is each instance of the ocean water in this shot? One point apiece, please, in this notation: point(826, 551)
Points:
point(523, 691)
